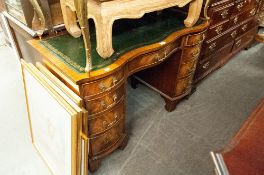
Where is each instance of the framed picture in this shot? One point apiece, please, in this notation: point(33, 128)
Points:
point(56, 124)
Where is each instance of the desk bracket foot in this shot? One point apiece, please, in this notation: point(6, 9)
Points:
point(170, 104)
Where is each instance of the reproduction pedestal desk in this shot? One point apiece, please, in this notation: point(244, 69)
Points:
point(139, 44)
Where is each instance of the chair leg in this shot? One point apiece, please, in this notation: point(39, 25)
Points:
point(104, 36)
point(70, 21)
point(194, 13)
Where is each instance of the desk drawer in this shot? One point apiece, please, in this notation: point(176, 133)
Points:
point(102, 85)
point(217, 29)
point(240, 6)
point(103, 142)
point(103, 122)
point(105, 102)
point(152, 58)
point(237, 19)
point(245, 38)
point(207, 64)
point(213, 45)
point(219, 14)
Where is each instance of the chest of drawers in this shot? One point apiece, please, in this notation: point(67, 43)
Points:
point(232, 28)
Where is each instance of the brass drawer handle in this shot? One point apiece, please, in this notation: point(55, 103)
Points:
point(252, 12)
point(244, 28)
point(224, 14)
point(102, 86)
point(108, 125)
point(114, 97)
point(219, 29)
point(212, 47)
point(115, 80)
point(239, 6)
point(206, 65)
point(103, 104)
point(106, 140)
point(233, 34)
point(238, 43)
point(235, 20)
point(196, 53)
point(202, 38)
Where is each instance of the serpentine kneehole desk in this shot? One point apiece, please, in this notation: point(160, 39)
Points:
point(139, 44)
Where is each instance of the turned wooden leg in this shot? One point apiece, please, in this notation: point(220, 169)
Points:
point(170, 105)
point(134, 82)
point(69, 18)
point(195, 9)
point(104, 37)
point(124, 143)
point(94, 165)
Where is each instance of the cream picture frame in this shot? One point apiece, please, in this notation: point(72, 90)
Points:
point(56, 123)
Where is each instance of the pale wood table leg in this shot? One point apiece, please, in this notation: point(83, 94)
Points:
point(194, 13)
point(103, 28)
point(70, 21)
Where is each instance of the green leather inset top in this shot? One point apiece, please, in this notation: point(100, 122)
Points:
point(128, 34)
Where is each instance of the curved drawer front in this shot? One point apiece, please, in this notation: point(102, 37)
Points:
point(183, 85)
point(105, 102)
point(187, 68)
point(151, 58)
point(102, 85)
point(195, 39)
point(102, 142)
point(191, 53)
point(106, 120)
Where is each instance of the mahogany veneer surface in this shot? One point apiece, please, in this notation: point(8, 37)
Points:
point(245, 153)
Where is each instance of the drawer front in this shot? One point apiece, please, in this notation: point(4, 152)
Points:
point(212, 46)
point(217, 30)
point(207, 63)
point(237, 19)
point(152, 58)
point(191, 53)
point(102, 142)
point(184, 85)
point(195, 39)
point(109, 100)
point(245, 38)
point(106, 120)
point(244, 5)
point(102, 85)
point(245, 27)
point(219, 14)
point(187, 68)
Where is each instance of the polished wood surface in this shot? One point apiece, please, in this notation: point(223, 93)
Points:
point(244, 155)
point(104, 90)
point(173, 79)
point(232, 28)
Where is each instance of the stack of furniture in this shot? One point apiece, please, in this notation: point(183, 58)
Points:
point(233, 26)
point(244, 155)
